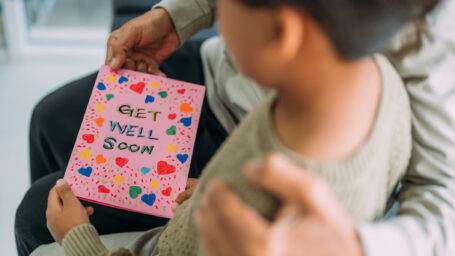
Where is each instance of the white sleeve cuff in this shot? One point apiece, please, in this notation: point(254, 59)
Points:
point(384, 238)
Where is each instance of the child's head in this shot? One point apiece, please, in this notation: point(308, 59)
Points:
point(265, 35)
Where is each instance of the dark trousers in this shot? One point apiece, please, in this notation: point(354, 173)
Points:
point(53, 131)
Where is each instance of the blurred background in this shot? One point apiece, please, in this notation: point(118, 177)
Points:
point(45, 44)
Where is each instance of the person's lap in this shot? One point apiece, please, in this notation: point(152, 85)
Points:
point(110, 241)
point(54, 128)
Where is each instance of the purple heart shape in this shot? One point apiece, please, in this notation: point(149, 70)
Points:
point(149, 199)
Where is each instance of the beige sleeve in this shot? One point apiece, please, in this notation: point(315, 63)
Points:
point(425, 224)
point(84, 240)
point(190, 16)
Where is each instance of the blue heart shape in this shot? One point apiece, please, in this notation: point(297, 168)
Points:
point(186, 121)
point(149, 99)
point(85, 171)
point(145, 170)
point(122, 79)
point(149, 199)
point(101, 86)
point(182, 158)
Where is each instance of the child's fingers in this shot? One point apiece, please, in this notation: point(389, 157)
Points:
point(191, 183)
point(65, 193)
point(182, 197)
point(53, 201)
point(89, 210)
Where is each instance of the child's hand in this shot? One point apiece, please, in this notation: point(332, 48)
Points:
point(64, 211)
point(182, 197)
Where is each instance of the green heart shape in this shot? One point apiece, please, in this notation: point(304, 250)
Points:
point(163, 94)
point(172, 130)
point(135, 191)
point(109, 97)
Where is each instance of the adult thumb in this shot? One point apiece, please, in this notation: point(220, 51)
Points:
point(64, 191)
point(118, 44)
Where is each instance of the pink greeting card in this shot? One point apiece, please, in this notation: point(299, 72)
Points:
point(134, 147)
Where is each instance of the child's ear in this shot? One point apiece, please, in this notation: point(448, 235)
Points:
point(290, 33)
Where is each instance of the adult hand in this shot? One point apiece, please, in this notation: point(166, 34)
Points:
point(65, 211)
point(310, 222)
point(143, 43)
point(182, 197)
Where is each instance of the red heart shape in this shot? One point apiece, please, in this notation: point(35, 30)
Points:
point(139, 87)
point(172, 116)
point(181, 91)
point(88, 137)
point(165, 168)
point(120, 161)
point(103, 189)
point(167, 191)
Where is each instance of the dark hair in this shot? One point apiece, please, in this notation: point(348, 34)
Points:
point(357, 28)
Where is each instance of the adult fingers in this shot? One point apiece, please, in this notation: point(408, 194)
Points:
point(130, 64)
point(153, 68)
point(119, 43)
point(158, 73)
point(245, 228)
point(213, 235)
point(141, 66)
point(109, 54)
point(209, 241)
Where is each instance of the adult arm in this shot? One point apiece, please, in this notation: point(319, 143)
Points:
point(190, 16)
point(425, 223)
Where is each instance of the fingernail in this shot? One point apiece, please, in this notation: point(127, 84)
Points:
point(61, 182)
point(174, 206)
point(113, 62)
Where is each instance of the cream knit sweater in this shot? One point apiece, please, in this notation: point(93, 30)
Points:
point(363, 182)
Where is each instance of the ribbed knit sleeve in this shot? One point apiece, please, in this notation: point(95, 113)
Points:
point(83, 240)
